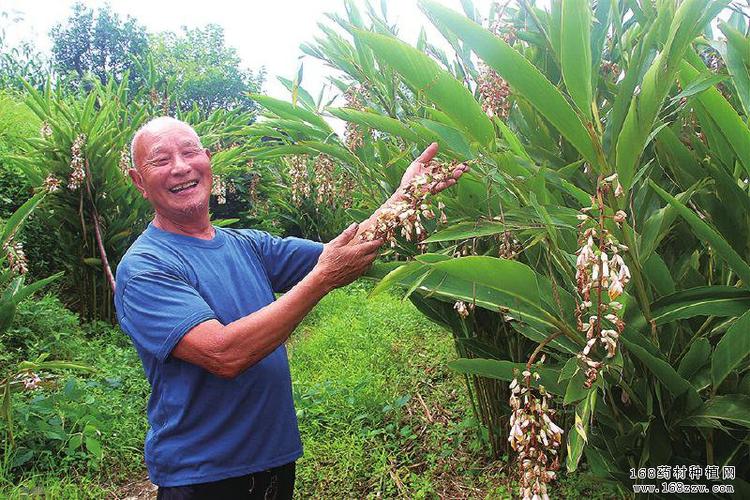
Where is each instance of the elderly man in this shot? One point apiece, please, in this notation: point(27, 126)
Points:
point(198, 303)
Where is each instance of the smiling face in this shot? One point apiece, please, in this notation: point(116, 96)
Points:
point(173, 171)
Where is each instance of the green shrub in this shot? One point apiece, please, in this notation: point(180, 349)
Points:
point(611, 117)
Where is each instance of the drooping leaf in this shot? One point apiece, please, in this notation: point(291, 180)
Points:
point(520, 74)
point(375, 121)
point(506, 370)
point(710, 235)
point(734, 408)
point(575, 52)
point(428, 79)
point(731, 350)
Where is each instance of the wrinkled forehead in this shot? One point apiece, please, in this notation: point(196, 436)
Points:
point(160, 137)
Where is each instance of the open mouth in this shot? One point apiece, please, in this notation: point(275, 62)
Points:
point(185, 186)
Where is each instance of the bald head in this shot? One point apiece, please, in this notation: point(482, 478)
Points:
point(152, 128)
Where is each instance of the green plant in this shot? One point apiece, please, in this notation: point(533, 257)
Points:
point(82, 156)
point(622, 111)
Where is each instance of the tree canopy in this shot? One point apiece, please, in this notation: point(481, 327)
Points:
point(100, 44)
point(207, 73)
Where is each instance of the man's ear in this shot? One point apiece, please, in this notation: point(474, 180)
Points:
point(208, 153)
point(135, 175)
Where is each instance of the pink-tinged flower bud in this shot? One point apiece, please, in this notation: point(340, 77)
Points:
point(620, 216)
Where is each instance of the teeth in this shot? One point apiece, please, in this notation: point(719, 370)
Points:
point(185, 185)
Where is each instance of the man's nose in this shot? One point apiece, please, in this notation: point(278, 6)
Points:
point(180, 165)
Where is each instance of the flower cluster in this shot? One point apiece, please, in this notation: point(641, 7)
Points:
point(46, 130)
point(78, 173)
point(51, 184)
point(510, 247)
point(353, 135)
point(125, 162)
point(413, 205)
point(17, 260)
point(503, 30)
point(494, 91)
point(31, 381)
point(600, 269)
point(609, 68)
point(324, 170)
point(534, 436)
point(298, 172)
point(219, 189)
point(463, 309)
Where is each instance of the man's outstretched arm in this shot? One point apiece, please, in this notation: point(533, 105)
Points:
point(228, 350)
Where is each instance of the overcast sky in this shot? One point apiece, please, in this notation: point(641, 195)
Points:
point(265, 32)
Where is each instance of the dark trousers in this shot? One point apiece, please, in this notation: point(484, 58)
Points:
point(272, 484)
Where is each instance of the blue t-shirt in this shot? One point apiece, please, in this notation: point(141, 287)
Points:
point(203, 427)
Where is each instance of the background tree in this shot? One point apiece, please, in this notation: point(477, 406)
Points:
point(98, 43)
point(21, 60)
point(207, 73)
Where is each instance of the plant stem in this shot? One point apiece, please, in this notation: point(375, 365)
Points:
point(539, 347)
point(97, 232)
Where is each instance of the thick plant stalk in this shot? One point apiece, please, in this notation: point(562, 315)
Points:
point(98, 233)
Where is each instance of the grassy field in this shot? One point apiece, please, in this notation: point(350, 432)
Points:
point(380, 414)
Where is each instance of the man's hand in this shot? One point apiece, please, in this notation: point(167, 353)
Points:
point(345, 259)
point(419, 167)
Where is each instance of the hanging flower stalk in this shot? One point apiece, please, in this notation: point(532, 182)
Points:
point(219, 189)
point(408, 211)
point(534, 436)
point(494, 91)
point(298, 172)
point(17, 260)
point(51, 184)
point(325, 189)
point(601, 276)
point(125, 161)
point(353, 135)
point(76, 163)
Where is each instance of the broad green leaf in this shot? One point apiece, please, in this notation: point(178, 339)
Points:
point(28, 290)
point(710, 235)
point(701, 83)
point(287, 110)
point(578, 435)
point(696, 357)
point(395, 277)
point(520, 74)
point(575, 52)
point(733, 408)
point(428, 79)
point(466, 230)
point(14, 222)
point(737, 58)
point(731, 350)
point(506, 370)
point(94, 447)
point(661, 368)
point(526, 288)
point(451, 138)
point(375, 121)
point(658, 80)
point(722, 115)
point(722, 301)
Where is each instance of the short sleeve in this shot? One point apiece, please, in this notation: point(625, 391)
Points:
point(158, 309)
point(287, 260)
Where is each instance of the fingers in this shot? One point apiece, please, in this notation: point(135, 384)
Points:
point(346, 235)
point(370, 246)
point(460, 170)
point(457, 173)
point(428, 154)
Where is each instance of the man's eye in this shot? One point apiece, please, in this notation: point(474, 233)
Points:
point(190, 153)
point(160, 162)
